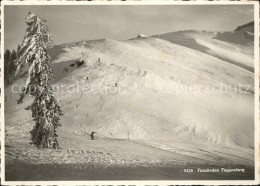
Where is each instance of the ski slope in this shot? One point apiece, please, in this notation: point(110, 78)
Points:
point(134, 89)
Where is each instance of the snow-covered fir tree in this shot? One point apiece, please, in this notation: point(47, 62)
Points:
point(45, 109)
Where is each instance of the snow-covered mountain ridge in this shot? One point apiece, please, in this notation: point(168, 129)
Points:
point(139, 90)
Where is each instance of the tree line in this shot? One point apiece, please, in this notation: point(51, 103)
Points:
point(10, 58)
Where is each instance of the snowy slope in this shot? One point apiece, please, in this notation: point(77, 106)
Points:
point(243, 35)
point(147, 70)
point(232, 47)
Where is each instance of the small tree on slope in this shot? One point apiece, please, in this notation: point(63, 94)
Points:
point(45, 109)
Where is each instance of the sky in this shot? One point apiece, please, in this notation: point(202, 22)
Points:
point(72, 23)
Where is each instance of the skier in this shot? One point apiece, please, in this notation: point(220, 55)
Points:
point(92, 135)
